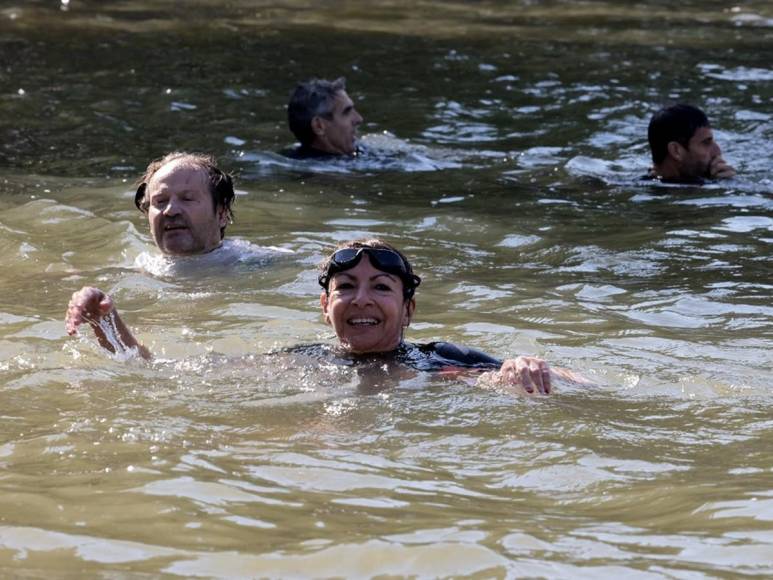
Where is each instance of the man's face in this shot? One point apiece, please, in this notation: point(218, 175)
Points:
point(337, 135)
point(700, 152)
point(182, 218)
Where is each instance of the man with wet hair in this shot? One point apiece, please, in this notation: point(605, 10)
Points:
point(323, 118)
point(187, 199)
point(683, 147)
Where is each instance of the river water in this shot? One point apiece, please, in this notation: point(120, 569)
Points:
point(505, 143)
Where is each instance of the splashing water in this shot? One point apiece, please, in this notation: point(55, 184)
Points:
point(121, 350)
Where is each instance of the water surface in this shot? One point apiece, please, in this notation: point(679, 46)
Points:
point(506, 140)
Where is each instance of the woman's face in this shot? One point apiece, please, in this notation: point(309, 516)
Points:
point(366, 308)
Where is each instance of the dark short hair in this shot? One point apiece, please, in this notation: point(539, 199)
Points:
point(675, 123)
point(220, 183)
point(313, 98)
point(410, 280)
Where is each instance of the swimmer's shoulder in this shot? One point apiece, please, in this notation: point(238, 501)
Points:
point(441, 354)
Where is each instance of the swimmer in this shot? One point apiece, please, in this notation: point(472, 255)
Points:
point(369, 303)
point(188, 203)
point(683, 147)
point(188, 200)
point(323, 119)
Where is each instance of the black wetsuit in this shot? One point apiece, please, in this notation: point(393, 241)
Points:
point(659, 179)
point(432, 356)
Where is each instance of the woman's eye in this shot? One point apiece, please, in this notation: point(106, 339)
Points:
point(344, 286)
point(383, 288)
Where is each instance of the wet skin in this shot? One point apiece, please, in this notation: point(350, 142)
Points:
point(366, 309)
point(368, 312)
point(182, 217)
point(702, 158)
point(337, 135)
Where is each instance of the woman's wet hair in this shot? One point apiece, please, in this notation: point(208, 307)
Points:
point(675, 123)
point(410, 280)
point(314, 98)
point(220, 183)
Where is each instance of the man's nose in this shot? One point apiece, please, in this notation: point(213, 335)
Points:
point(716, 151)
point(172, 207)
point(357, 118)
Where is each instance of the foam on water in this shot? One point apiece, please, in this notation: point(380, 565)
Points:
point(378, 152)
point(231, 253)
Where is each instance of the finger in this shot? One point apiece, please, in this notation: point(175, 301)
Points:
point(73, 321)
point(545, 370)
point(526, 379)
point(535, 374)
point(105, 305)
point(721, 169)
point(715, 165)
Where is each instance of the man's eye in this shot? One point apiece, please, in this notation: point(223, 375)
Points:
point(159, 201)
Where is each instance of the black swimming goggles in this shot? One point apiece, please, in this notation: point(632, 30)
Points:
point(382, 259)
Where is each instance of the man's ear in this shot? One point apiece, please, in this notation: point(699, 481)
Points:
point(222, 216)
point(410, 308)
point(323, 303)
point(675, 150)
point(318, 126)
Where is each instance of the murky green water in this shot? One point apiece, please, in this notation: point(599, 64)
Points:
point(509, 172)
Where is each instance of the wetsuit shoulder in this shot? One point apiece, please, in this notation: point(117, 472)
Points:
point(439, 355)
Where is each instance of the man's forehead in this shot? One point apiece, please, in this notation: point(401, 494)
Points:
point(342, 100)
point(178, 172)
point(703, 132)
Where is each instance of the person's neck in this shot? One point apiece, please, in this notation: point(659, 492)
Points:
point(669, 172)
point(386, 353)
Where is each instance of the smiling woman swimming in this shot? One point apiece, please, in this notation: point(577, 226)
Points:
point(368, 289)
point(370, 302)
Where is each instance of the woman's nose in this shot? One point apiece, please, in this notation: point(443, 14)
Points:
point(362, 296)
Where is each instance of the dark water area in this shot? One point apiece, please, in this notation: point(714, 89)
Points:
point(135, 80)
point(504, 145)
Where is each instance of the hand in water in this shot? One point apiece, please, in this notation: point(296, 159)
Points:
point(87, 305)
point(719, 169)
point(94, 307)
point(529, 373)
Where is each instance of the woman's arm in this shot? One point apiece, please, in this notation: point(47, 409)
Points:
point(97, 309)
